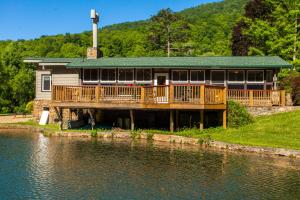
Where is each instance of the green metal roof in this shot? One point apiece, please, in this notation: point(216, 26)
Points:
point(174, 62)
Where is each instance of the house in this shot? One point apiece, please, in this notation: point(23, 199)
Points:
point(162, 91)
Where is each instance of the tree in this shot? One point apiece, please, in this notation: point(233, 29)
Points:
point(271, 28)
point(166, 29)
point(293, 8)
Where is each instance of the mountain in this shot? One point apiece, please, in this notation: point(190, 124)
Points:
point(210, 33)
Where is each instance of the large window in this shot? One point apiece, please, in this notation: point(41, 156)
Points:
point(255, 76)
point(197, 76)
point(236, 76)
point(90, 75)
point(269, 76)
point(126, 75)
point(143, 75)
point(217, 77)
point(46, 83)
point(108, 75)
point(179, 75)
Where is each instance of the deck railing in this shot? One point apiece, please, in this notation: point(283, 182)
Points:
point(177, 94)
point(185, 94)
point(258, 97)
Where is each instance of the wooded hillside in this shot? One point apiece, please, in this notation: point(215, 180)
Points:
point(202, 30)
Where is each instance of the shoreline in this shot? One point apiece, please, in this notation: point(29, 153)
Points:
point(165, 138)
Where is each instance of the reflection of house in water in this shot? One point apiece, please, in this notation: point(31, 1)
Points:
point(147, 92)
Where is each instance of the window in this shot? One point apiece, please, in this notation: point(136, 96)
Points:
point(125, 75)
point(236, 87)
point(217, 77)
point(197, 76)
point(46, 83)
point(90, 75)
point(143, 75)
point(236, 76)
point(108, 75)
point(255, 87)
point(269, 76)
point(255, 76)
point(180, 75)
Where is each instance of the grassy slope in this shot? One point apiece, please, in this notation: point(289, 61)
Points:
point(280, 130)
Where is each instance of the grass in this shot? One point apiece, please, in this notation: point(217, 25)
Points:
point(53, 127)
point(279, 130)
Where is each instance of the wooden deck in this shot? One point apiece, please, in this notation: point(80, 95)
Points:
point(161, 97)
point(138, 97)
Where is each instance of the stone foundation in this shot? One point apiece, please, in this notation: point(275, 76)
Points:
point(260, 111)
point(40, 105)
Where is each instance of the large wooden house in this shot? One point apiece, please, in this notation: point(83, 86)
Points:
point(153, 91)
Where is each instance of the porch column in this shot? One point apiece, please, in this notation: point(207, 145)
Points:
point(201, 119)
point(131, 120)
point(92, 118)
point(224, 119)
point(177, 119)
point(171, 121)
point(58, 112)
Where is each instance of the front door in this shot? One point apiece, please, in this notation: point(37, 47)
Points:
point(161, 89)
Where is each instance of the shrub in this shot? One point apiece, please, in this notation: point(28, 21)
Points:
point(238, 115)
point(29, 107)
point(94, 133)
point(296, 90)
point(290, 82)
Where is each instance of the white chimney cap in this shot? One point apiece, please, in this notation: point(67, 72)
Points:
point(93, 14)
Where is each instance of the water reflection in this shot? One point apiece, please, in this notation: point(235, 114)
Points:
point(54, 168)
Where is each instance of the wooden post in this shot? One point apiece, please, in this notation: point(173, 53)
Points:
point(225, 96)
point(142, 95)
point(131, 120)
point(171, 121)
point(97, 93)
point(201, 120)
point(58, 112)
point(177, 119)
point(282, 96)
point(225, 119)
point(251, 101)
point(92, 118)
point(202, 94)
point(171, 93)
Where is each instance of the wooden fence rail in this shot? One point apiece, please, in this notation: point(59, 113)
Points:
point(257, 97)
point(177, 94)
point(184, 94)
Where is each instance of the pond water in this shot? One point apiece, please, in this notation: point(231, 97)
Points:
point(36, 167)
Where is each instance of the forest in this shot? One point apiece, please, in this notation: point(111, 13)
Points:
point(229, 27)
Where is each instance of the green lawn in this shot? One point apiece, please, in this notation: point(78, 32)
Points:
point(279, 130)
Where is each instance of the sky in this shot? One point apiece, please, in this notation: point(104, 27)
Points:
point(28, 19)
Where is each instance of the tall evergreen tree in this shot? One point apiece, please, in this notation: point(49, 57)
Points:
point(167, 28)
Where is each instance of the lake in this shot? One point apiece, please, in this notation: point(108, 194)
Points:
point(36, 167)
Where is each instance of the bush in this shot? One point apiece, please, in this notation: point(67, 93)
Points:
point(94, 133)
point(29, 107)
point(238, 115)
point(291, 84)
point(296, 90)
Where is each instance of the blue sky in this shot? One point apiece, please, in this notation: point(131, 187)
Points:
point(27, 19)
